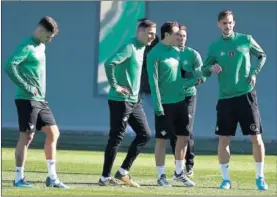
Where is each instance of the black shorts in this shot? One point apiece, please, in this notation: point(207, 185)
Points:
point(33, 115)
point(174, 122)
point(243, 110)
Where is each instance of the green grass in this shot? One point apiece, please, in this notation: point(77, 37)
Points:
point(81, 171)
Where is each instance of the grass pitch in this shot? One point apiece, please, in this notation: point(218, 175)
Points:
point(81, 171)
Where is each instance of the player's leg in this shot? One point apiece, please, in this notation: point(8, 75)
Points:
point(46, 122)
point(226, 126)
point(119, 115)
point(173, 141)
point(160, 155)
point(182, 131)
point(162, 134)
point(27, 118)
point(138, 122)
point(189, 157)
point(250, 122)
point(259, 155)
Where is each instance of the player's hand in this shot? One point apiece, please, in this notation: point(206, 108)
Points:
point(252, 79)
point(216, 68)
point(122, 90)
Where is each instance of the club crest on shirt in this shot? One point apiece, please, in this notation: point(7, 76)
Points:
point(231, 53)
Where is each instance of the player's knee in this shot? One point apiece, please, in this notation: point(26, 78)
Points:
point(144, 138)
point(224, 141)
point(55, 135)
point(181, 139)
point(160, 143)
point(29, 137)
point(115, 134)
point(52, 133)
point(26, 138)
point(186, 139)
point(114, 142)
point(148, 135)
point(257, 139)
point(29, 140)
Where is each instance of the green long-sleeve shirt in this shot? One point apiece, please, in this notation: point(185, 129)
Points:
point(233, 54)
point(26, 67)
point(164, 73)
point(124, 69)
point(191, 63)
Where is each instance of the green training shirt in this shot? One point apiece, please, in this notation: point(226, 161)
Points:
point(27, 69)
point(233, 54)
point(191, 63)
point(124, 69)
point(164, 72)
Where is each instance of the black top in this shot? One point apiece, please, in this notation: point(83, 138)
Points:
point(144, 87)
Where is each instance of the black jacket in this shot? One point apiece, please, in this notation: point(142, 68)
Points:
point(144, 85)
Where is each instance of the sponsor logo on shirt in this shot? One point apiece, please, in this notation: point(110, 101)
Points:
point(185, 62)
point(243, 49)
point(171, 62)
